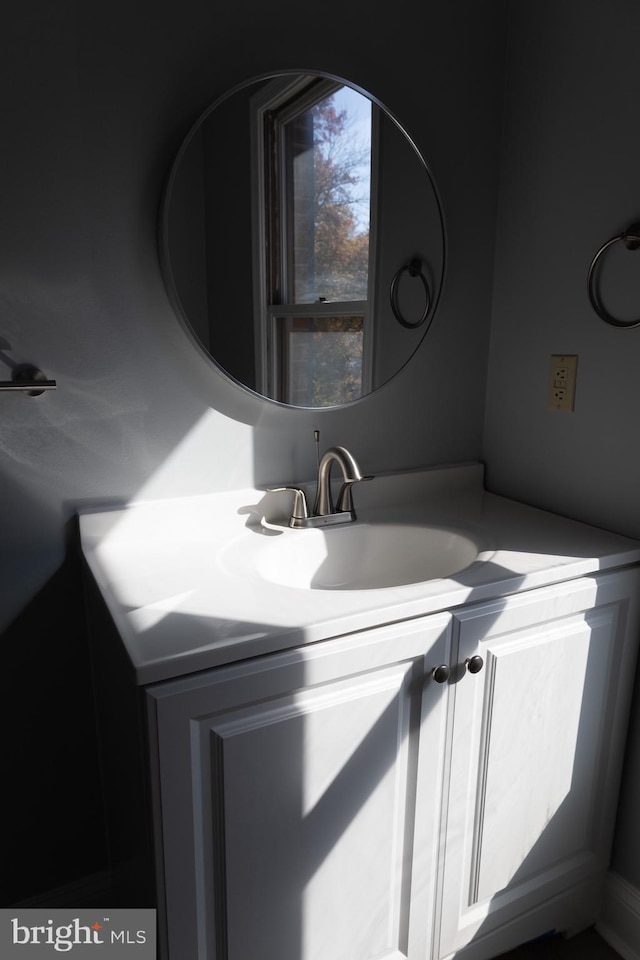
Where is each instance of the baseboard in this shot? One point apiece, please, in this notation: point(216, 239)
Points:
point(619, 921)
point(91, 891)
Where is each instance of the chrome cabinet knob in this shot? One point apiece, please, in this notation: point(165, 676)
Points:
point(474, 664)
point(441, 674)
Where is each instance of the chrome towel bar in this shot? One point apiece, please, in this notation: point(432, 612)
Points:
point(28, 379)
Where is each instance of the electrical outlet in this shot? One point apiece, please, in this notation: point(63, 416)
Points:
point(562, 382)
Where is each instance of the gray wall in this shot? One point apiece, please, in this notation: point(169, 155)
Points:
point(95, 100)
point(569, 182)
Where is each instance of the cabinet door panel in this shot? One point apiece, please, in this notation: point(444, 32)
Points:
point(290, 790)
point(536, 752)
point(538, 762)
point(313, 791)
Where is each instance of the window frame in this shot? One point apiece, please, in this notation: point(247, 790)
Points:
point(289, 96)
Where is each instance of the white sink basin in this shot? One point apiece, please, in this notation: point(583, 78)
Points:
point(361, 556)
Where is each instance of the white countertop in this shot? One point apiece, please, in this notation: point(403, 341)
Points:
point(172, 576)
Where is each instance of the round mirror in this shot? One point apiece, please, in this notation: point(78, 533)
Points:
point(302, 239)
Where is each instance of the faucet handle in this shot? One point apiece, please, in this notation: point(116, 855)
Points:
point(300, 509)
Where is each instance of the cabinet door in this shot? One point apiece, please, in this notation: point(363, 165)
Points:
point(294, 790)
point(536, 752)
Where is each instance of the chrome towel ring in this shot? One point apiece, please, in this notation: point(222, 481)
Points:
point(414, 269)
point(631, 240)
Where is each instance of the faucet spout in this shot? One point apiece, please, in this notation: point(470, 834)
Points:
point(351, 473)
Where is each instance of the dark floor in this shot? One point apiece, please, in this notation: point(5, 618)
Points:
point(584, 946)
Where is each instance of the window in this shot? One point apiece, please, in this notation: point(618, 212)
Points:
point(316, 224)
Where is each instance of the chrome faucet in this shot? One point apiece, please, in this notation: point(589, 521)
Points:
point(324, 512)
point(323, 506)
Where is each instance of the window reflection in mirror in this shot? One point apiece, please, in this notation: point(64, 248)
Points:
point(318, 242)
point(319, 359)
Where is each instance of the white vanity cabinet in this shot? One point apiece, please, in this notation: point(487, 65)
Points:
point(284, 775)
point(336, 802)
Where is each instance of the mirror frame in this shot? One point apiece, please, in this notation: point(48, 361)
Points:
point(163, 243)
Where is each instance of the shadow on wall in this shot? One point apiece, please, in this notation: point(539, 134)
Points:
point(50, 746)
